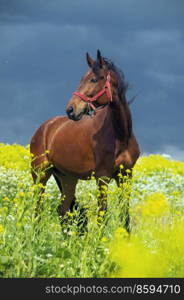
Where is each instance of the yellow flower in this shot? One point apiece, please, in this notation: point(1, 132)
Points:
point(21, 194)
point(157, 163)
point(104, 239)
point(69, 214)
point(134, 259)
point(6, 199)
point(101, 213)
point(1, 229)
point(14, 156)
point(120, 175)
point(175, 193)
point(121, 233)
point(155, 205)
point(178, 212)
point(3, 210)
point(40, 185)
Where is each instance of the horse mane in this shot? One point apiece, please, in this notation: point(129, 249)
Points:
point(122, 88)
point(122, 84)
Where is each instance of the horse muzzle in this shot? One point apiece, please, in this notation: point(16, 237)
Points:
point(73, 115)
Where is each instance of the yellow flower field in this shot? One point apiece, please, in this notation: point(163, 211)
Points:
point(32, 247)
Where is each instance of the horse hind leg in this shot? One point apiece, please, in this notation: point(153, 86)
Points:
point(67, 187)
point(102, 183)
point(124, 215)
point(58, 183)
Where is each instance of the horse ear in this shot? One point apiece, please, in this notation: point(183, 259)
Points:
point(90, 61)
point(100, 58)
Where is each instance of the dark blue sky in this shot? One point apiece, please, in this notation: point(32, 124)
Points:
point(42, 57)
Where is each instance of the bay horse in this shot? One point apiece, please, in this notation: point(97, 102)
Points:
point(96, 136)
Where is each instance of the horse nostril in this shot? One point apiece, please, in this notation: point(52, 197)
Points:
point(70, 110)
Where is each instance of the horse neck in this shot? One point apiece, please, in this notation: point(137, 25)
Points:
point(121, 119)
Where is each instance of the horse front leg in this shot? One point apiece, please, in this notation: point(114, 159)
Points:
point(67, 186)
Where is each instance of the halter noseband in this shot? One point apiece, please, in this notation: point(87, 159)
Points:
point(105, 90)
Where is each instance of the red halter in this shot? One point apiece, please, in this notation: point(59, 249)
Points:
point(106, 90)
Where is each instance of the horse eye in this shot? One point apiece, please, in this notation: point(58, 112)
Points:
point(93, 80)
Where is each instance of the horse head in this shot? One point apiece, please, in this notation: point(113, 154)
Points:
point(95, 90)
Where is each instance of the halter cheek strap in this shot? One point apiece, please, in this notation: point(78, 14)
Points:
point(105, 90)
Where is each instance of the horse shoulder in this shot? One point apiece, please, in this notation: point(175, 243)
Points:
point(39, 141)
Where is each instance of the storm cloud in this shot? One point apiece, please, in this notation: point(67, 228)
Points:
point(42, 57)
